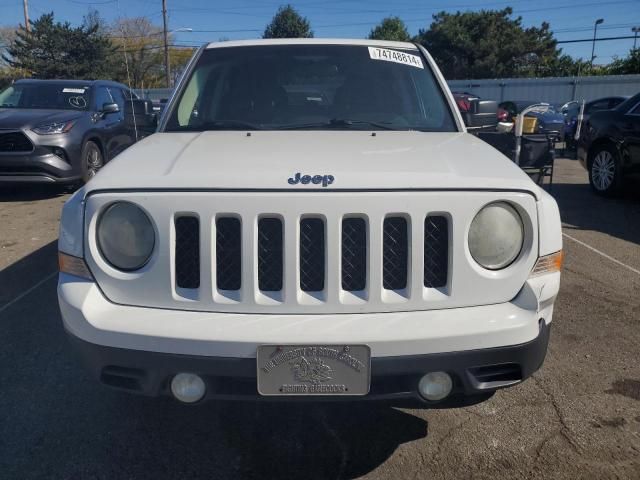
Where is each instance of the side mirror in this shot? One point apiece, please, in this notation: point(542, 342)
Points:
point(110, 108)
point(483, 114)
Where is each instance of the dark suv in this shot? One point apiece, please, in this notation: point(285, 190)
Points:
point(62, 130)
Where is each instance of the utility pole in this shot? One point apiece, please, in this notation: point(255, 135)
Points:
point(635, 31)
point(26, 16)
point(166, 43)
point(593, 45)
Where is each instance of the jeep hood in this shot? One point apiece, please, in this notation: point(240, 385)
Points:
point(357, 160)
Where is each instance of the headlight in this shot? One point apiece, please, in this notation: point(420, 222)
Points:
point(54, 128)
point(496, 236)
point(125, 236)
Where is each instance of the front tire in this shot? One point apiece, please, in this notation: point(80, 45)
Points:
point(92, 160)
point(605, 176)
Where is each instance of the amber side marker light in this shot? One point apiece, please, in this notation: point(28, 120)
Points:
point(548, 264)
point(73, 266)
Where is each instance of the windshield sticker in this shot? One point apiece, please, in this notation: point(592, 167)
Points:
point(394, 56)
point(73, 90)
point(77, 102)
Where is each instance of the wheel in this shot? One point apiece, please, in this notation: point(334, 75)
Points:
point(604, 172)
point(92, 160)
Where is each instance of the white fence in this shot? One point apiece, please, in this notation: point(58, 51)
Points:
point(555, 90)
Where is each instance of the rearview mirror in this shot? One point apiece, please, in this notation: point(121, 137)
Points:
point(110, 108)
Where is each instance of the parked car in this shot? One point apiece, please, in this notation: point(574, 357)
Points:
point(571, 110)
point(609, 146)
point(470, 104)
point(549, 121)
point(62, 131)
point(358, 246)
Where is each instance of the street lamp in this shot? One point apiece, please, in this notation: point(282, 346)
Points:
point(167, 64)
point(635, 31)
point(593, 46)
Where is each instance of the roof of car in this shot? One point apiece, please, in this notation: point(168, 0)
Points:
point(72, 82)
point(312, 41)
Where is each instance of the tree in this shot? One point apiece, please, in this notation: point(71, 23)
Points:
point(489, 44)
point(391, 28)
point(57, 50)
point(625, 66)
point(288, 23)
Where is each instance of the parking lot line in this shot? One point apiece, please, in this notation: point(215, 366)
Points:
point(27, 292)
point(608, 257)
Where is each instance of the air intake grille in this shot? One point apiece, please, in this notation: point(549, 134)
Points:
point(354, 254)
point(312, 252)
point(15, 142)
point(436, 251)
point(187, 252)
point(228, 253)
point(270, 254)
point(395, 250)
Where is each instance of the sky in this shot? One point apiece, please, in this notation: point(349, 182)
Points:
point(212, 20)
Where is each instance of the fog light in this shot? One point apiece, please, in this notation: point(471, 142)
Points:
point(435, 386)
point(188, 387)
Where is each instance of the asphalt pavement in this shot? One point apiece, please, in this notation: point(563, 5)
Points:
point(578, 417)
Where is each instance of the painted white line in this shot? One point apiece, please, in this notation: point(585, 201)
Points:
point(27, 292)
point(608, 257)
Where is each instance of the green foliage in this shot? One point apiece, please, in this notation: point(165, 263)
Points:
point(57, 50)
point(288, 23)
point(490, 44)
point(625, 66)
point(391, 28)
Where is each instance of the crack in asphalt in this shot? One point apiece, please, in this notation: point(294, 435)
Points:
point(344, 452)
point(564, 430)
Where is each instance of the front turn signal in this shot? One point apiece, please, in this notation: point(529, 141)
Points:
point(548, 264)
point(73, 266)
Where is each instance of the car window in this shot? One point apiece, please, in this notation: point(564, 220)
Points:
point(46, 96)
point(596, 106)
point(295, 86)
point(614, 102)
point(636, 110)
point(103, 96)
point(118, 97)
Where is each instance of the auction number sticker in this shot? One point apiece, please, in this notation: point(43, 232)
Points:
point(394, 56)
point(73, 90)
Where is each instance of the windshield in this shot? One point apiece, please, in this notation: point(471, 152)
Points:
point(311, 87)
point(50, 96)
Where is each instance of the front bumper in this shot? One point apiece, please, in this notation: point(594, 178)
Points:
point(476, 373)
point(140, 349)
point(42, 165)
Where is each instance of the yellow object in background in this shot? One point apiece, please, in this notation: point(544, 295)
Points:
point(530, 124)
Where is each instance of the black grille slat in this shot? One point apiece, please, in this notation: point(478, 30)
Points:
point(312, 255)
point(436, 251)
point(270, 254)
point(395, 253)
point(187, 252)
point(15, 142)
point(228, 253)
point(354, 254)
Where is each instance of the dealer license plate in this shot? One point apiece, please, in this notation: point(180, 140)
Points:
point(314, 369)
point(560, 145)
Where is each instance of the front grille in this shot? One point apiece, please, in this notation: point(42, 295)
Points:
point(312, 252)
point(228, 253)
point(270, 265)
point(395, 251)
point(436, 251)
point(15, 142)
point(187, 252)
point(354, 254)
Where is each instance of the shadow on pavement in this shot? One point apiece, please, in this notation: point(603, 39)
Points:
point(29, 193)
point(582, 209)
point(26, 272)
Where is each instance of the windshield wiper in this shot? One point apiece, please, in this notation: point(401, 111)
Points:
point(220, 125)
point(337, 122)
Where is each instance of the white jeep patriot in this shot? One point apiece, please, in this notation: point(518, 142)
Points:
point(311, 220)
